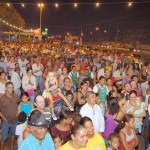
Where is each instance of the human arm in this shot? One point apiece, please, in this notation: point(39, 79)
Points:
point(18, 109)
point(3, 117)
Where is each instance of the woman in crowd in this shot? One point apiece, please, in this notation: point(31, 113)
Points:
point(3, 81)
point(64, 126)
point(78, 139)
point(94, 71)
point(29, 84)
point(95, 141)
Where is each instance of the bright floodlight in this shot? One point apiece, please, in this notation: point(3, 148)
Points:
point(75, 5)
point(130, 4)
point(56, 5)
point(8, 4)
point(22, 5)
point(97, 4)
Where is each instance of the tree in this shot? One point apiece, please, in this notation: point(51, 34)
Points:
point(10, 15)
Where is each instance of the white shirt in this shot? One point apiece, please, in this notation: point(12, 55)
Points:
point(100, 73)
point(19, 132)
point(71, 73)
point(25, 82)
point(35, 67)
point(95, 88)
point(95, 114)
point(22, 65)
point(116, 74)
point(15, 79)
point(144, 87)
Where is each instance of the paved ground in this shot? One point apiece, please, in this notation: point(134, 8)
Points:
point(141, 146)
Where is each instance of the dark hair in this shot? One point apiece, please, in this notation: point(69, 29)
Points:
point(66, 79)
point(120, 96)
point(101, 77)
point(133, 76)
point(57, 135)
point(126, 118)
point(83, 82)
point(76, 128)
point(89, 93)
point(17, 69)
point(84, 120)
point(113, 106)
point(65, 114)
point(68, 92)
point(112, 136)
point(76, 117)
point(94, 66)
point(22, 117)
point(2, 73)
point(28, 69)
point(24, 94)
point(119, 66)
point(8, 83)
point(133, 92)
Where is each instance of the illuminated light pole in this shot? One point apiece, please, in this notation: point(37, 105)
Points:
point(130, 4)
point(56, 5)
point(97, 4)
point(22, 5)
point(75, 5)
point(41, 5)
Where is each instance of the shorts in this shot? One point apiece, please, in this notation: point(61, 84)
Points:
point(5, 128)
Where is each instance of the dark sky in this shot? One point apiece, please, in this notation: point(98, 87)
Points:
point(109, 17)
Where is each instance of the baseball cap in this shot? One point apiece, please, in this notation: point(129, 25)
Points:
point(36, 118)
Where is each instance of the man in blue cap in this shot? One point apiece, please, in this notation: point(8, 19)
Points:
point(39, 139)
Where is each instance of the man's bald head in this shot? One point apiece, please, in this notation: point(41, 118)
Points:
point(39, 97)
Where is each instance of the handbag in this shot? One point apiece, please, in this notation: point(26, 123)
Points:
point(30, 92)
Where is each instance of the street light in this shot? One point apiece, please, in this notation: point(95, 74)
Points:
point(56, 5)
point(97, 28)
point(130, 4)
point(41, 5)
point(75, 5)
point(8, 4)
point(22, 5)
point(97, 4)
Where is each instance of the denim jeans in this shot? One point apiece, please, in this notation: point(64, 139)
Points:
point(5, 128)
point(39, 83)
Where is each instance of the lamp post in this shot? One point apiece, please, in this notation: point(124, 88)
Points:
point(41, 5)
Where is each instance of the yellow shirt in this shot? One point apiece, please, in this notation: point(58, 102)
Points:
point(108, 68)
point(68, 147)
point(96, 143)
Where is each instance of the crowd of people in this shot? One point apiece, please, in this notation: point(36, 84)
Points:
point(60, 97)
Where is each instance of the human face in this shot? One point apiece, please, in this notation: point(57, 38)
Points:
point(10, 88)
point(109, 82)
point(2, 59)
point(38, 132)
point(135, 79)
point(64, 71)
point(57, 142)
point(132, 97)
point(102, 81)
point(107, 73)
point(40, 103)
point(80, 138)
point(131, 123)
point(85, 86)
point(24, 99)
point(69, 97)
point(67, 82)
point(51, 76)
point(127, 87)
point(133, 85)
point(3, 76)
point(91, 99)
point(68, 120)
point(90, 128)
point(29, 73)
point(114, 143)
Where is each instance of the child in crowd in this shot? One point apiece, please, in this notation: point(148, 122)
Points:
point(113, 141)
point(25, 105)
point(22, 124)
point(69, 97)
point(139, 121)
point(58, 141)
point(51, 85)
point(101, 104)
point(127, 133)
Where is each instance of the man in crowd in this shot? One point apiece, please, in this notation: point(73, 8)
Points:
point(8, 107)
point(93, 111)
point(39, 139)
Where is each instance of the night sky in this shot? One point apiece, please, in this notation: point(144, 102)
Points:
point(107, 17)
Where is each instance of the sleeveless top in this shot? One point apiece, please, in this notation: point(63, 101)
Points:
point(26, 108)
point(103, 93)
point(74, 76)
point(110, 126)
point(128, 137)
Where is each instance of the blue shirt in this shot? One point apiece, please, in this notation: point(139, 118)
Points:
point(31, 143)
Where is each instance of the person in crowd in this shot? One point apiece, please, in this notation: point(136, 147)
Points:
point(94, 71)
point(11, 66)
point(64, 126)
point(74, 76)
point(37, 68)
point(110, 85)
point(93, 111)
point(3, 64)
point(29, 84)
point(143, 73)
point(95, 140)
point(39, 137)
point(126, 90)
point(22, 117)
point(102, 89)
point(78, 139)
point(81, 95)
point(135, 87)
point(16, 80)
point(3, 81)
point(25, 105)
point(82, 77)
point(62, 77)
point(8, 106)
point(58, 141)
point(113, 142)
point(76, 64)
point(127, 133)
